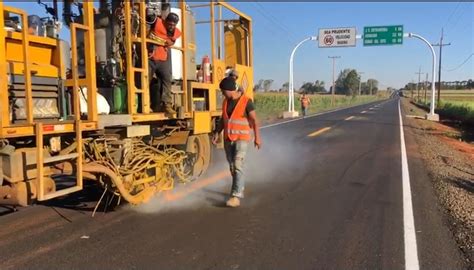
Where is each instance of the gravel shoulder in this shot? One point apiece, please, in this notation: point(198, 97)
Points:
point(450, 163)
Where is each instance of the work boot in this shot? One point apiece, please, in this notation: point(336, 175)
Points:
point(233, 202)
point(168, 109)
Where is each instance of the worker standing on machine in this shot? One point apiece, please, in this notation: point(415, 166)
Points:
point(165, 34)
point(238, 119)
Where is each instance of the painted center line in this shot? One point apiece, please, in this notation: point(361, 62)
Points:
point(318, 132)
point(224, 174)
point(349, 118)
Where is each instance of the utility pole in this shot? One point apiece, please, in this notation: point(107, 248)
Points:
point(440, 44)
point(417, 85)
point(360, 81)
point(333, 76)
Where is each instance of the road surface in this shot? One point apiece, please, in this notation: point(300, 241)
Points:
point(326, 192)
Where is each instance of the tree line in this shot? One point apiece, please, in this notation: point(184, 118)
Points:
point(347, 83)
point(450, 85)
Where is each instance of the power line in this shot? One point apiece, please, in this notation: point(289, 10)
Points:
point(272, 30)
point(273, 22)
point(452, 13)
point(458, 18)
point(465, 61)
point(274, 19)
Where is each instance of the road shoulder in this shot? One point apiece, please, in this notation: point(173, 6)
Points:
point(442, 174)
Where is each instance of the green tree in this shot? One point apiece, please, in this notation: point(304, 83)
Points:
point(307, 87)
point(258, 86)
point(267, 84)
point(319, 86)
point(364, 88)
point(351, 83)
point(340, 88)
point(285, 87)
point(311, 88)
point(373, 85)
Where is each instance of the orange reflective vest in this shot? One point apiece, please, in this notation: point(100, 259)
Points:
point(160, 35)
point(304, 102)
point(236, 127)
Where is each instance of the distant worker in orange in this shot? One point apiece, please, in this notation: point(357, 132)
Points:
point(305, 102)
point(165, 34)
point(238, 120)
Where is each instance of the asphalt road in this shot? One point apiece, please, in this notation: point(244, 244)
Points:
point(326, 192)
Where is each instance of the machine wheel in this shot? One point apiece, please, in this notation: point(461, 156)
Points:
point(200, 148)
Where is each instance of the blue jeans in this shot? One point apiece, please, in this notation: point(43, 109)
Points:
point(235, 153)
point(304, 110)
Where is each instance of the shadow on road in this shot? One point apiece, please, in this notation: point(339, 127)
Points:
point(84, 200)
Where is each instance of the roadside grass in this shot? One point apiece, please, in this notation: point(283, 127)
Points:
point(457, 105)
point(270, 106)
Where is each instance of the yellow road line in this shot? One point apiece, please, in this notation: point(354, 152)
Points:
point(349, 118)
point(316, 133)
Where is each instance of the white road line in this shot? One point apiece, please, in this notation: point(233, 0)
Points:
point(411, 250)
point(313, 115)
point(363, 111)
point(317, 114)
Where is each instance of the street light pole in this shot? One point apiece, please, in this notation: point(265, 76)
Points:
point(291, 96)
point(333, 76)
point(431, 116)
point(425, 85)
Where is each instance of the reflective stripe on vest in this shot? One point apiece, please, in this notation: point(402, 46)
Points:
point(238, 122)
point(233, 131)
point(236, 127)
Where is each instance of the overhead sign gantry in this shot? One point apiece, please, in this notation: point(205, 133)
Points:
point(373, 36)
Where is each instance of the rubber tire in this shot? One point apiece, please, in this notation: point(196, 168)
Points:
point(201, 145)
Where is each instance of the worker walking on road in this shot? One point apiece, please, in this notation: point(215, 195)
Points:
point(237, 121)
point(165, 34)
point(305, 102)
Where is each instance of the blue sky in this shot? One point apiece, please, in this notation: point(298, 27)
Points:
point(279, 26)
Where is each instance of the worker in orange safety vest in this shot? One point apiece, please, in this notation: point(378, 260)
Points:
point(305, 102)
point(238, 120)
point(165, 35)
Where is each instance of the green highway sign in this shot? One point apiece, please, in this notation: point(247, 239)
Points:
point(383, 35)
